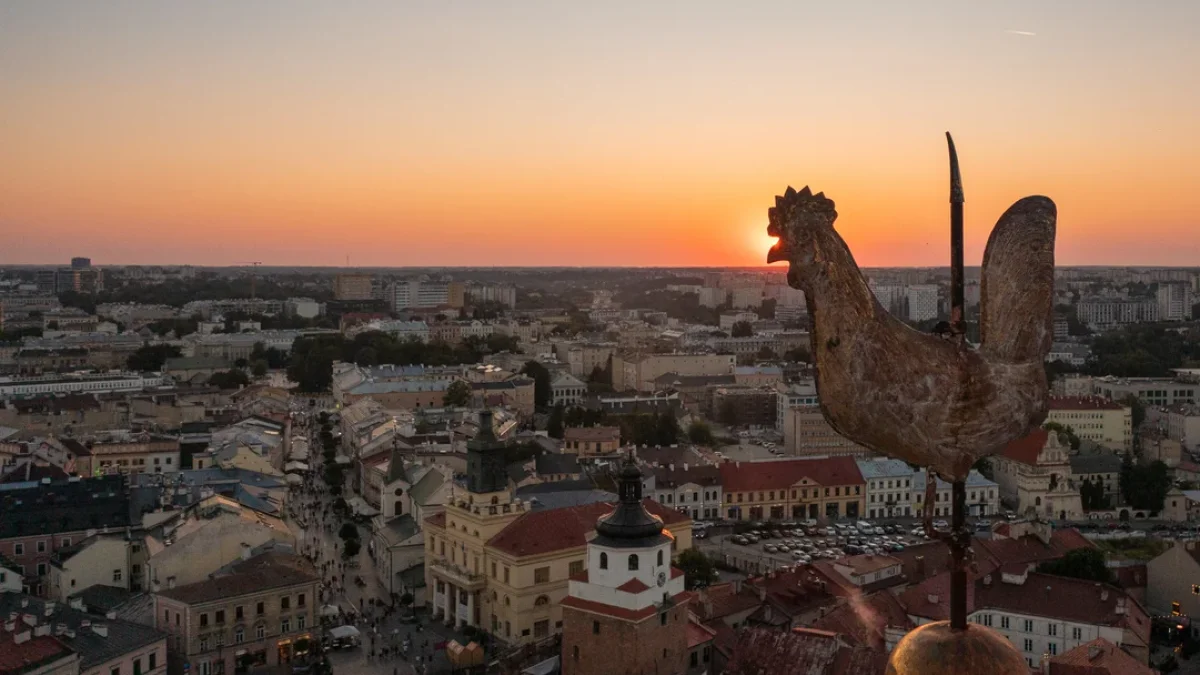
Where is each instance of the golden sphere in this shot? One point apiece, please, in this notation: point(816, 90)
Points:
point(938, 649)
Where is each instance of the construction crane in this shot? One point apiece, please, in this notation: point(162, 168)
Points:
point(253, 275)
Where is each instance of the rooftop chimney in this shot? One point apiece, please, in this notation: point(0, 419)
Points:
point(41, 630)
point(1093, 652)
point(933, 598)
point(76, 603)
point(100, 629)
point(22, 637)
point(987, 580)
point(1103, 594)
point(245, 551)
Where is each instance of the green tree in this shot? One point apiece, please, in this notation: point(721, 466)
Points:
point(554, 426)
point(541, 382)
point(766, 353)
point(458, 394)
point(229, 379)
point(151, 358)
point(1146, 486)
point(742, 329)
point(799, 354)
point(698, 569)
point(1065, 433)
point(700, 433)
point(348, 531)
point(1082, 563)
point(351, 548)
point(258, 368)
point(984, 467)
point(667, 429)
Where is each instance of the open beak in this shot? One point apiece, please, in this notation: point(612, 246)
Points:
point(776, 253)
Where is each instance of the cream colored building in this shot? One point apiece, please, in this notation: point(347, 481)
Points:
point(352, 287)
point(638, 372)
point(113, 559)
point(1095, 419)
point(493, 562)
point(259, 611)
point(1034, 475)
point(205, 537)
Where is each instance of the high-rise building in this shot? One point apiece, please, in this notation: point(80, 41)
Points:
point(505, 295)
point(624, 614)
point(922, 302)
point(420, 294)
point(352, 287)
point(1175, 301)
point(81, 263)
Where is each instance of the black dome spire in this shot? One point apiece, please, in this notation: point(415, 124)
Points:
point(630, 524)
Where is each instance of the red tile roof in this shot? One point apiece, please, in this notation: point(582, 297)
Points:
point(774, 475)
point(540, 532)
point(1132, 576)
point(634, 585)
point(863, 620)
point(1026, 450)
point(801, 652)
point(437, 520)
point(1098, 657)
point(698, 634)
point(29, 655)
point(1042, 595)
point(621, 612)
point(1083, 403)
point(721, 600)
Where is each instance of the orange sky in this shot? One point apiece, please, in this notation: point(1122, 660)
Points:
point(547, 134)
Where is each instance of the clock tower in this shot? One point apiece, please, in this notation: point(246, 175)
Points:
point(627, 612)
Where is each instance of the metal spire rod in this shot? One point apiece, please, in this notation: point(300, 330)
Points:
point(959, 536)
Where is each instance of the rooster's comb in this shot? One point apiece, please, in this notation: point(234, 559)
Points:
point(802, 205)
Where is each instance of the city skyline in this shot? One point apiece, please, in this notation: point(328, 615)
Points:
point(622, 135)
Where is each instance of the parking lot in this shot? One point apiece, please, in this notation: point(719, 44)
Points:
point(763, 549)
point(750, 450)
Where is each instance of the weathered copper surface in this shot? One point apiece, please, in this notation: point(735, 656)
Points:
point(932, 400)
point(938, 649)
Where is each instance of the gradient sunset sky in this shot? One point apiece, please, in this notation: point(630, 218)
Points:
point(588, 133)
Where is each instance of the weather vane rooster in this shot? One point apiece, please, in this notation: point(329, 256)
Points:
point(930, 399)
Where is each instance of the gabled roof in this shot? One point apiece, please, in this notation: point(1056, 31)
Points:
point(262, 572)
point(541, 532)
point(863, 619)
point(783, 474)
point(1098, 657)
point(124, 637)
point(1026, 450)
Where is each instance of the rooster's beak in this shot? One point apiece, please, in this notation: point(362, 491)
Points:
point(777, 253)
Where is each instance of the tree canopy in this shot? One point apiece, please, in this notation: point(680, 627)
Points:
point(541, 382)
point(698, 569)
point(458, 394)
point(151, 358)
point(229, 379)
point(1081, 563)
point(741, 329)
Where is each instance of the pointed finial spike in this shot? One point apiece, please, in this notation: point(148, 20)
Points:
point(806, 192)
point(791, 192)
point(778, 200)
point(956, 186)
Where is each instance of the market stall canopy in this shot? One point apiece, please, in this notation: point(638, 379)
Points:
point(344, 632)
point(295, 466)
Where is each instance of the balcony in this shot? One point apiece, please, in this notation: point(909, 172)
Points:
point(460, 577)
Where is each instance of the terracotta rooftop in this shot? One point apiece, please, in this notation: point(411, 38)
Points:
point(801, 652)
point(862, 620)
point(746, 476)
point(1041, 595)
point(540, 532)
point(698, 634)
point(1026, 450)
point(621, 612)
point(720, 600)
point(33, 654)
point(1083, 403)
point(262, 572)
point(592, 434)
point(1098, 657)
point(634, 585)
point(867, 563)
point(705, 474)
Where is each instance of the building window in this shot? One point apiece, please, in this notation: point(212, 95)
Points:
point(285, 602)
point(1004, 622)
point(204, 644)
point(260, 631)
point(603, 560)
point(41, 570)
point(285, 626)
point(261, 608)
point(575, 568)
point(1052, 648)
point(203, 619)
point(41, 546)
point(153, 658)
point(541, 600)
point(1028, 645)
point(633, 561)
point(117, 575)
point(1028, 626)
point(1175, 611)
point(115, 670)
point(1077, 633)
point(300, 622)
point(220, 616)
point(239, 636)
point(506, 573)
point(237, 612)
point(595, 628)
point(18, 549)
point(494, 574)
point(1052, 629)
point(541, 575)
point(300, 600)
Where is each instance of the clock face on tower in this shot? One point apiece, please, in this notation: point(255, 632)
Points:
point(662, 578)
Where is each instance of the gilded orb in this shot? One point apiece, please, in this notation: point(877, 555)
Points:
point(938, 649)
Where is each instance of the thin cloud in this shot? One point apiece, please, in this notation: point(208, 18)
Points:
point(1026, 33)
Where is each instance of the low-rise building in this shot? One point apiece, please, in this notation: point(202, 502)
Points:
point(694, 490)
point(124, 453)
point(591, 441)
point(566, 389)
point(1095, 419)
point(792, 489)
point(1101, 468)
point(889, 487)
point(104, 645)
point(1034, 475)
point(113, 559)
point(983, 495)
point(254, 612)
point(1040, 614)
point(806, 432)
point(744, 406)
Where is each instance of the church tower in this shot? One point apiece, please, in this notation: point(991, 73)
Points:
point(456, 562)
point(625, 614)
